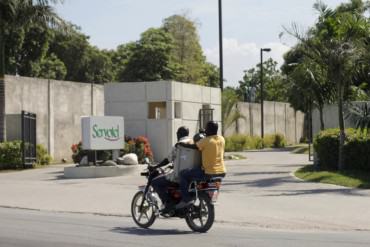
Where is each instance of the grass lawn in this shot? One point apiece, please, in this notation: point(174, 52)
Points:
point(299, 149)
point(353, 179)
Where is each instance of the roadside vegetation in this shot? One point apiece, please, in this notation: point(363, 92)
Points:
point(245, 142)
point(11, 156)
point(348, 178)
point(328, 65)
point(355, 172)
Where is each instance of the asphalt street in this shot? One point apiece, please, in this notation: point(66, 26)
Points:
point(261, 204)
point(27, 228)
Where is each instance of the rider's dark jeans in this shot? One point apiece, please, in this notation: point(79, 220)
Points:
point(160, 185)
point(186, 177)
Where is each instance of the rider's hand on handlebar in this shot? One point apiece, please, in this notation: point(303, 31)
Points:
point(152, 168)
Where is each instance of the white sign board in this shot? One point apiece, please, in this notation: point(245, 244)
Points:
point(102, 133)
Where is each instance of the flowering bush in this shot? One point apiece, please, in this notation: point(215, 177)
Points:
point(77, 152)
point(140, 146)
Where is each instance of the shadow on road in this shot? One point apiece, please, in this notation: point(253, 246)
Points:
point(261, 183)
point(347, 192)
point(149, 232)
point(255, 173)
point(269, 150)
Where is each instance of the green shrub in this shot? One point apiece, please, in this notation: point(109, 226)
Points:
point(268, 141)
point(235, 143)
point(254, 142)
point(78, 153)
point(274, 141)
point(303, 139)
point(355, 151)
point(326, 146)
point(279, 141)
point(42, 155)
point(11, 155)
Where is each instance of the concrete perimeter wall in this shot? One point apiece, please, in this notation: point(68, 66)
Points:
point(331, 118)
point(58, 106)
point(131, 100)
point(279, 117)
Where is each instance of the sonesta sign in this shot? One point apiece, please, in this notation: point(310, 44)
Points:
point(102, 133)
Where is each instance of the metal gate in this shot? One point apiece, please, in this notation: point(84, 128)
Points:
point(28, 138)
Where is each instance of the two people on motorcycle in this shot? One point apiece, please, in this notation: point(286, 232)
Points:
point(212, 148)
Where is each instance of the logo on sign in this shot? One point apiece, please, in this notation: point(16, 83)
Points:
point(110, 134)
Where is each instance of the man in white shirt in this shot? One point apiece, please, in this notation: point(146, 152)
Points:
point(161, 183)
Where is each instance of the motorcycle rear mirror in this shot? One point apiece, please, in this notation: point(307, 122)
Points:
point(146, 161)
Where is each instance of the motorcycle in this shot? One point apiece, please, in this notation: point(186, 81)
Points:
point(199, 215)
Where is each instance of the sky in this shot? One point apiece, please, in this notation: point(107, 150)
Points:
point(248, 25)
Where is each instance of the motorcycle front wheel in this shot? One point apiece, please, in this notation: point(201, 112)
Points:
point(144, 216)
point(201, 214)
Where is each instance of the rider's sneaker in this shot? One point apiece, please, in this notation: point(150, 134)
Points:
point(184, 204)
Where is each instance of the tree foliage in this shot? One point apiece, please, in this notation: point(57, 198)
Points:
point(187, 52)
point(230, 111)
point(150, 58)
point(170, 52)
point(333, 52)
point(275, 87)
point(20, 16)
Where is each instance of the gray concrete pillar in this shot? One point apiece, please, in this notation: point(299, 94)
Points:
point(50, 123)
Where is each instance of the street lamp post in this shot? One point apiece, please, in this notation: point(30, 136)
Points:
point(262, 119)
point(220, 44)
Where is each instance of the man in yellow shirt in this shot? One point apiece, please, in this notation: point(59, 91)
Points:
point(212, 148)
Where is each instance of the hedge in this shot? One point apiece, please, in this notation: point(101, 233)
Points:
point(245, 142)
point(356, 150)
point(11, 155)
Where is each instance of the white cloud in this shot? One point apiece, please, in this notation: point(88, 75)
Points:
point(241, 56)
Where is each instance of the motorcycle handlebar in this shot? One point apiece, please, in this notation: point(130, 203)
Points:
point(144, 174)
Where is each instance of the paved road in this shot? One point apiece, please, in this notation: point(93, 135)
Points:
point(258, 193)
point(25, 228)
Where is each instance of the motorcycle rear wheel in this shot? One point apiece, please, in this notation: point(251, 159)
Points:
point(144, 217)
point(201, 214)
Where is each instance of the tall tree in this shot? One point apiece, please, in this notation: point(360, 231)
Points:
point(187, 51)
point(15, 14)
point(150, 58)
point(230, 111)
point(71, 49)
point(308, 84)
point(98, 67)
point(275, 88)
point(120, 58)
point(336, 43)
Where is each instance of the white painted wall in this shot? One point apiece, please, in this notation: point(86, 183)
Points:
point(130, 100)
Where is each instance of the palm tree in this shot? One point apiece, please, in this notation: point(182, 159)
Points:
point(15, 14)
point(336, 43)
point(359, 115)
point(230, 110)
